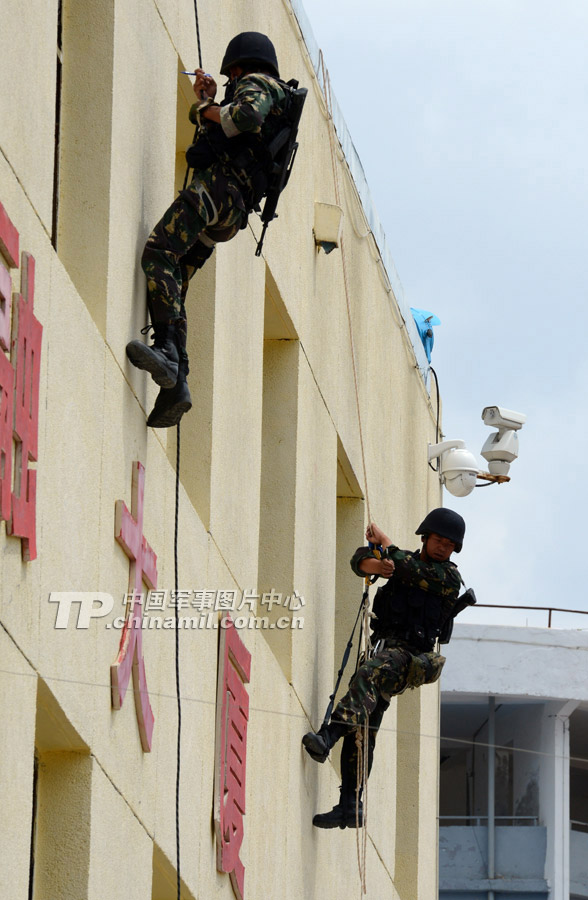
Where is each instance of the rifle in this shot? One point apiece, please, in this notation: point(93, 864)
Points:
point(468, 598)
point(282, 150)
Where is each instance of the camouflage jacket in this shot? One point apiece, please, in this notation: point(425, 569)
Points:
point(251, 115)
point(417, 600)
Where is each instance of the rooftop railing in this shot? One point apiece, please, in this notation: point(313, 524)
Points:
point(548, 609)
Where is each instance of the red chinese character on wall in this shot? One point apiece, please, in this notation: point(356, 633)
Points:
point(232, 713)
point(20, 332)
point(6, 415)
point(128, 531)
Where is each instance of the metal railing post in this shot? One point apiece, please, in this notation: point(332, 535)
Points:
point(491, 790)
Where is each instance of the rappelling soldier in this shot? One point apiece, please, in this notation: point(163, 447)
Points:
point(413, 610)
point(231, 164)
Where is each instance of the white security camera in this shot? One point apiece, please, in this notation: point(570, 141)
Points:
point(501, 418)
point(502, 447)
point(458, 467)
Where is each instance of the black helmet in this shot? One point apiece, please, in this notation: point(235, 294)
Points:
point(446, 523)
point(248, 46)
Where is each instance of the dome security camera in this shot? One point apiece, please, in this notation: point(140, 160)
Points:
point(458, 469)
point(457, 466)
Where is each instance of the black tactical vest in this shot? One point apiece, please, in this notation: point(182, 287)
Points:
point(408, 614)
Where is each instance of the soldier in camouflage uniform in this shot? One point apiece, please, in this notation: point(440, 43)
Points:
point(420, 596)
point(230, 162)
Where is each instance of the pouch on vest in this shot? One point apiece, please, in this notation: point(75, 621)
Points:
point(424, 669)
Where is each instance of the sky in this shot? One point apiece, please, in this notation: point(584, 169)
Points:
point(471, 121)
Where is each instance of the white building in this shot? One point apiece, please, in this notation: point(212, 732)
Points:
point(519, 828)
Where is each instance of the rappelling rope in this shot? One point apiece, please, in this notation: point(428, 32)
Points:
point(177, 629)
point(362, 732)
point(179, 889)
point(361, 776)
point(198, 33)
point(200, 66)
point(332, 139)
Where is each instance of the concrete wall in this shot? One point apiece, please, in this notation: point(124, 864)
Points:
point(535, 677)
point(463, 858)
point(271, 444)
point(578, 864)
point(546, 663)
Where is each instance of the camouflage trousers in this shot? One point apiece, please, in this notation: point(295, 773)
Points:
point(388, 673)
point(349, 750)
point(209, 210)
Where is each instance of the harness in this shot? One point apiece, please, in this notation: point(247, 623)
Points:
point(260, 163)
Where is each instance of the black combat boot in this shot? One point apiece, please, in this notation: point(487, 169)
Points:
point(172, 403)
point(161, 358)
point(343, 815)
point(318, 744)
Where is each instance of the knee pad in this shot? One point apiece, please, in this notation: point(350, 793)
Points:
point(425, 669)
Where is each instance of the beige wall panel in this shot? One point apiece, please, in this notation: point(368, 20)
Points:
point(198, 668)
point(326, 336)
point(18, 689)
point(126, 870)
point(63, 822)
point(273, 764)
point(198, 678)
point(85, 149)
point(28, 50)
point(293, 788)
point(288, 247)
point(69, 497)
point(383, 815)
point(196, 430)
point(164, 885)
point(408, 787)
point(315, 556)
point(324, 332)
point(349, 588)
point(117, 743)
point(169, 14)
point(429, 792)
point(281, 361)
point(216, 28)
point(143, 163)
point(236, 446)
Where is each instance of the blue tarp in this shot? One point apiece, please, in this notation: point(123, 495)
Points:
point(424, 321)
